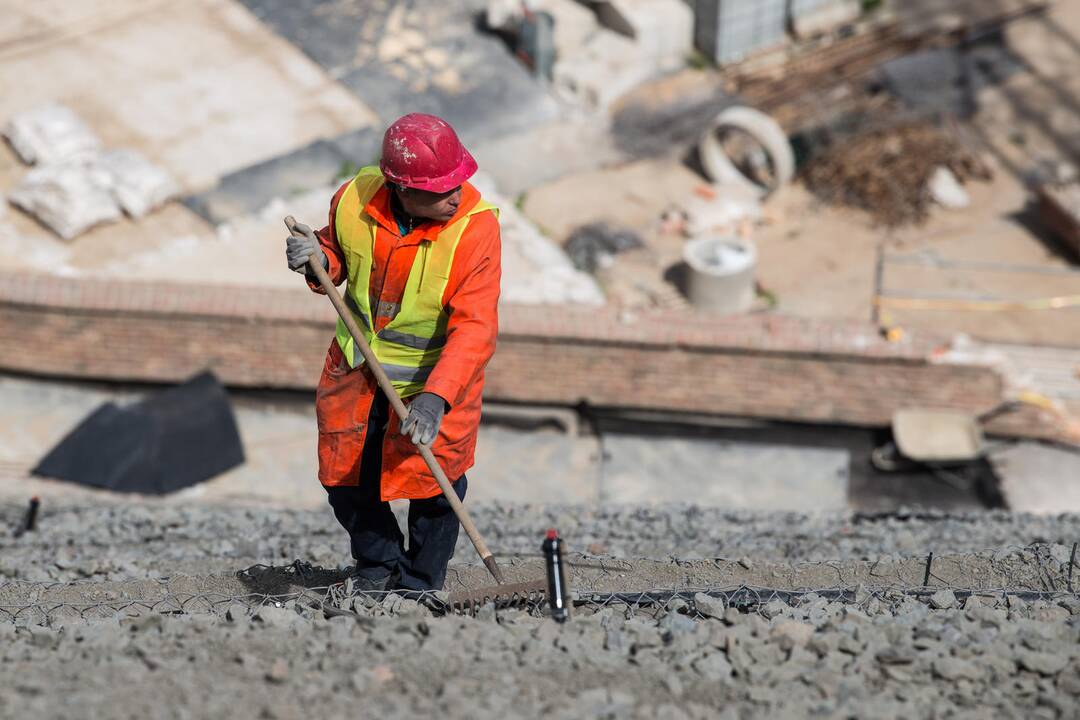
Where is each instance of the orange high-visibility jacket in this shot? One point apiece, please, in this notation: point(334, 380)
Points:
point(343, 398)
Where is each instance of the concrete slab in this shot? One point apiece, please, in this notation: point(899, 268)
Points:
point(730, 475)
point(631, 194)
point(601, 70)
point(523, 160)
point(317, 165)
point(199, 87)
point(410, 56)
point(512, 465)
point(106, 249)
point(279, 444)
point(819, 261)
point(663, 30)
point(1039, 479)
point(246, 251)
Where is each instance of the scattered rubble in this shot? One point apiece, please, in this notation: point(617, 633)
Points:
point(662, 30)
point(721, 209)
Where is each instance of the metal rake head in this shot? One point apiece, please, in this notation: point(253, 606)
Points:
point(524, 594)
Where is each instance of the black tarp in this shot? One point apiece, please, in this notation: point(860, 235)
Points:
point(166, 442)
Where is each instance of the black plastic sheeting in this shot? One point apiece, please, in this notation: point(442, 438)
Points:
point(171, 440)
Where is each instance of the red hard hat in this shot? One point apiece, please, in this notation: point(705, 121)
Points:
point(423, 152)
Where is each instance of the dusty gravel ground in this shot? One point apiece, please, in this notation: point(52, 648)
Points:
point(159, 611)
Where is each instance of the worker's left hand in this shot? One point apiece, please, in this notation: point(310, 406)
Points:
point(425, 416)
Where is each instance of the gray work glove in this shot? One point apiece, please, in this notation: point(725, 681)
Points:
point(425, 416)
point(300, 246)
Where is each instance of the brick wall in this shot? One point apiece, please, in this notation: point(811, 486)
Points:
point(757, 366)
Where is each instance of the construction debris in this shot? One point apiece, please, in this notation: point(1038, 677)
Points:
point(947, 191)
point(574, 24)
point(721, 209)
point(887, 172)
point(744, 146)
point(600, 71)
point(595, 245)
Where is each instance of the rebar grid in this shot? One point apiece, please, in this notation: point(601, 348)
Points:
point(1035, 573)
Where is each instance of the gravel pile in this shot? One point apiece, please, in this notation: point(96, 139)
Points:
point(875, 654)
point(822, 659)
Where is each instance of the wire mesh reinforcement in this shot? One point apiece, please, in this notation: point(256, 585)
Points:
point(745, 599)
point(1031, 573)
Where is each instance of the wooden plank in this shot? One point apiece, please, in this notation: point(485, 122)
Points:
point(1059, 210)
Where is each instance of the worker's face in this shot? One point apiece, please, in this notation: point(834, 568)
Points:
point(439, 207)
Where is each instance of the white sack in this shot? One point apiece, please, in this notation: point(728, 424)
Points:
point(137, 184)
point(50, 133)
point(66, 198)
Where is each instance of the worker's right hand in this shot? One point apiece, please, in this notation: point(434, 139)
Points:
point(302, 245)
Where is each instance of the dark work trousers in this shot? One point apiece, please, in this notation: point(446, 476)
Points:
point(378, 546)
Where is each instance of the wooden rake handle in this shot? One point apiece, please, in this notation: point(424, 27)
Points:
point(399, 407)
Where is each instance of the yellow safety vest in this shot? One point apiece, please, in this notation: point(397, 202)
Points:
point(410, 345)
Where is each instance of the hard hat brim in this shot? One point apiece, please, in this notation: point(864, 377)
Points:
point(465, 170)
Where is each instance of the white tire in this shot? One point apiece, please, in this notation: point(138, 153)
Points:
point(766, 131)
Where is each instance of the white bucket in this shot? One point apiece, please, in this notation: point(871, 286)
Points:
point(720, 273)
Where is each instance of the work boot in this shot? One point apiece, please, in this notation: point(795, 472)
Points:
point(361, 583)
point(394, 585)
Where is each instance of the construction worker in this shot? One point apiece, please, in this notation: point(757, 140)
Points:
point(421, 252)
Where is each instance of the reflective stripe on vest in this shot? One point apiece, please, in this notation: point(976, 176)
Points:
point(411, 343)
